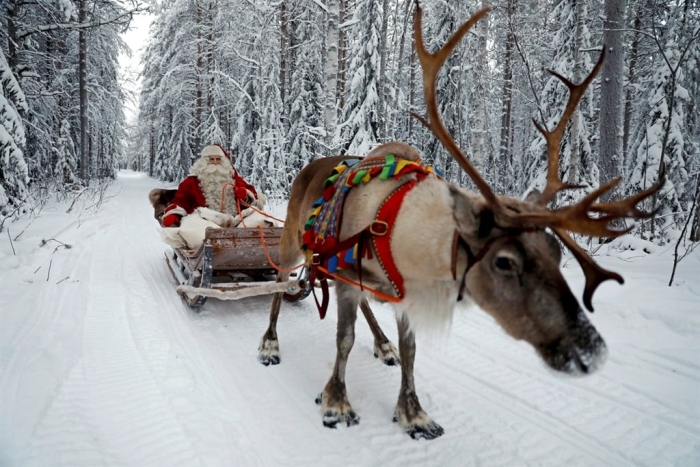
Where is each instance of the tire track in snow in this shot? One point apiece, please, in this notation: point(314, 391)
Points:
point(286, 392)
point(52, 314)
point(125, 403)
point(167, 338)
point(581, 413)
point(605, 388)
point(274, 395)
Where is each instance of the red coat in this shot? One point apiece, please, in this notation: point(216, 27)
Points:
point(189, 196)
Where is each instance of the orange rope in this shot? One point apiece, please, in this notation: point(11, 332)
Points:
point(262, 212)
point(238, 206)
point(269, 258)
point(388, 298)
point(223, 193)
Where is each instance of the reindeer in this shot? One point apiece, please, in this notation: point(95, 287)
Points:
point(449, 243)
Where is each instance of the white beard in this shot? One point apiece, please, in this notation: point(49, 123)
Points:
point(212, 178)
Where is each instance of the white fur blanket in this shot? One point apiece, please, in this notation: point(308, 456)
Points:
point(190, 234)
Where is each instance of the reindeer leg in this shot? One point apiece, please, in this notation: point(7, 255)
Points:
point(335, 405)
point(409, 413)
point(383, 348)
point(290, 252)
point(269, 348)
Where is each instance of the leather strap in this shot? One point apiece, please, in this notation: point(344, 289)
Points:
point(380, 232)
point(381, 239)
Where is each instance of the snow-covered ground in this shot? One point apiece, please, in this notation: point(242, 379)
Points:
point(101, 363)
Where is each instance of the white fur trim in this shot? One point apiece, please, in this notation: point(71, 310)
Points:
point(213, 151)
point(171, 236)
point(255, 219)
point(193, 228)
point(260, 202)
point(180, 211)
point(219, 218)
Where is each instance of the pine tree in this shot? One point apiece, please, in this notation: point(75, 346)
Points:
point(306, 94)
point(441, 23)
point(659, 142)
point(357, 130)
point(272, 167)
point(14, 179)
point(576, 161)
point(66, 157)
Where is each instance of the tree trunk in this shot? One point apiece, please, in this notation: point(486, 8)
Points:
point(332, 68)
point(631, 80)
point(151, 151)
point(342, 53)
point(283, 52)
point(480, 91)
point(695, 224)
point(401, 78)
point(82, 85)
point(11, 11)
point(575, 156)
point(381, 82)
point(611, 95)
point(507, 95)
point(211, 66)
point(196, 143)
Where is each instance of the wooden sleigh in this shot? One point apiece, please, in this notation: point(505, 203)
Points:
point(231, 264)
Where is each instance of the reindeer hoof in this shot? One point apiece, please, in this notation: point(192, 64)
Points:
point(319, 399)
point(419, 426)
point(387, 353)
point(269, 360)
point(332, 417)
point(429, 431)
point(269, 352)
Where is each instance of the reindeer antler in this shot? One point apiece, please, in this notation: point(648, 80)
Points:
point(553, 138)
point(431, 63)
point(586, 217)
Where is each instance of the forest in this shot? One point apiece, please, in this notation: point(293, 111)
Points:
point(282, 83)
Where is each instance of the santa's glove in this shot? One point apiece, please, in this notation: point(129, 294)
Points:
point(171, 220)
point(241, 193)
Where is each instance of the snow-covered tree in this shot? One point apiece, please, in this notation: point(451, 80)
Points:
point(439, 25)
point(357, 130)
point(14, 177)
point(577, 164)
point(664, 139)
point(66, 157)
point(306, 132)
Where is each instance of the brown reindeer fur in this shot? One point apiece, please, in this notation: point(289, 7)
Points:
point(160, 198)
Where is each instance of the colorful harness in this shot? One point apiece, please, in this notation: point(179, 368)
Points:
point(325, 254)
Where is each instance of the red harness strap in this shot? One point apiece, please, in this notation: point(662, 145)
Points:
point(382, 240)
point(380, 230)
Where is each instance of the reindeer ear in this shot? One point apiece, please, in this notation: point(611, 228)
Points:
point(473, 215)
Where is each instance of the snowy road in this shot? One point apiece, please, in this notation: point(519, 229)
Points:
point(101, 363)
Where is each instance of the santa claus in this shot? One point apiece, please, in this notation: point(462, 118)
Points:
point(212, 179)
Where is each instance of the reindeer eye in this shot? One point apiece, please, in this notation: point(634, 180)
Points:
point(504, 263)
